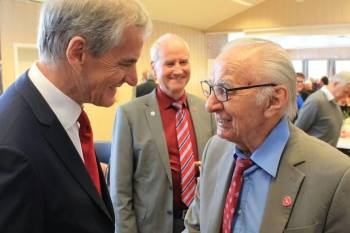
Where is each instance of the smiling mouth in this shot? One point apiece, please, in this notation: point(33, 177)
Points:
point(222, 121)
point(179, 77)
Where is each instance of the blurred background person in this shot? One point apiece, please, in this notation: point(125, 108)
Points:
point(321, 115)
point(308, 89)
point(324, 81)
point(300, 79)
point(148, 85)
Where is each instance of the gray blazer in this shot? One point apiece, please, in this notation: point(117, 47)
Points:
point(315, 175)
point(140, 173)
point(321, 118)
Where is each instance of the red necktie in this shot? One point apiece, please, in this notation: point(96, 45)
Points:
point(87, 146)
point(233, 194)
point(188, 180)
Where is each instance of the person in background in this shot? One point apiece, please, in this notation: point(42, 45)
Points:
point(324, 81)
point(261, 173)
point(321, 115)
point(148, 85)
point(300, 78)
point(157, 139)
point(50, 178)
point(308, 89)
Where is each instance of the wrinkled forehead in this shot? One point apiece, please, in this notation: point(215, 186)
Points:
point(230, 70)
point(173, 45)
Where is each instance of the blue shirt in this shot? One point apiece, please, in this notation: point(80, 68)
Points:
point(257, 179)
point(300, 101)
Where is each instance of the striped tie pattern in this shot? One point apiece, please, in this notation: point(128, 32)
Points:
point(188, 180)
point(233, 194)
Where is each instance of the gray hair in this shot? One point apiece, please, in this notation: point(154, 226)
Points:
point(343, 78)
point(154, 51)
point(271, 63)
point(100, 22)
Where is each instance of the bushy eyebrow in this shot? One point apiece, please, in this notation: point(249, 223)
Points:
point(128, 61)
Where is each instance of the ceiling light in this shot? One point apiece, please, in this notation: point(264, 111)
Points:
point(245, 2)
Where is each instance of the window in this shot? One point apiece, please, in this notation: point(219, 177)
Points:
point(298, 66)
point(317, 69)
point(341, 65)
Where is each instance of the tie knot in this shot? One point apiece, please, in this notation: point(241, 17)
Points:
point(243, 164)
point(177, 105)
point(84, 121)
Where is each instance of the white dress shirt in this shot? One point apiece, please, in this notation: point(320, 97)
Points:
point(328, 94)
point(66, 110)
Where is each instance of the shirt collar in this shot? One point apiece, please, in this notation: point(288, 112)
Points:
point(165, 101)
point(328, 94)
point(65, 108)
point(269, 153)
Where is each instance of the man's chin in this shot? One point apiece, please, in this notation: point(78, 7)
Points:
point(107, 102)
point(224, 135)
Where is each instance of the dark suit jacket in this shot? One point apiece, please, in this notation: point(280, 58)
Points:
point(145, 88)
point(44, 186)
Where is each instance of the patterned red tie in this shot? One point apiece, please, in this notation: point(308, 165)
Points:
point(233, 194)
point(188, 180)
point(87, 146)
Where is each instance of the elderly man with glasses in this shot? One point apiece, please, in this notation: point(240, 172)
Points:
point(261, 173)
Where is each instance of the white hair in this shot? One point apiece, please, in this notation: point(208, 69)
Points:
point(100, 22)
point(154, 51)
point(343, 78)
point(268, 62)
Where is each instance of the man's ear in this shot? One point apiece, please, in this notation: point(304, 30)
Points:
point(154, 70)
point(278, 101)
point(76, 53)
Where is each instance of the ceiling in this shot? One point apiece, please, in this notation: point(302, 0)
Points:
point(199, 14)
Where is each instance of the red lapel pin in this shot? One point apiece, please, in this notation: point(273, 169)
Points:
point(287, 201)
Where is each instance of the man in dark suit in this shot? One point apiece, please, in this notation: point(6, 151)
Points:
point(50, 180)
point(148, 86)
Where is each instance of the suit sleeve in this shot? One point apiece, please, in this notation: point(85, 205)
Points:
point(121, 175)
point(192, 224)
point(339, 211)
point(20, 196)
point(192, 219)
point(307, 115)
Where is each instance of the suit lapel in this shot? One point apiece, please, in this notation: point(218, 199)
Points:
point(224, 174)
point(105, 194)
point(58, 139)
point(197, 117)
point(287, 185)
point(61, 143)
point(153, 117)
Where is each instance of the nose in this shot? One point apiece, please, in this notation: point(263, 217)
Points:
point(131, 77)
point(212, 104)
point(178, 70)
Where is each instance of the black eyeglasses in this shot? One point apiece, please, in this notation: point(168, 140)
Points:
point(221, 93)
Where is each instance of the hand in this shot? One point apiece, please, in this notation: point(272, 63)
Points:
point(197, 166)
